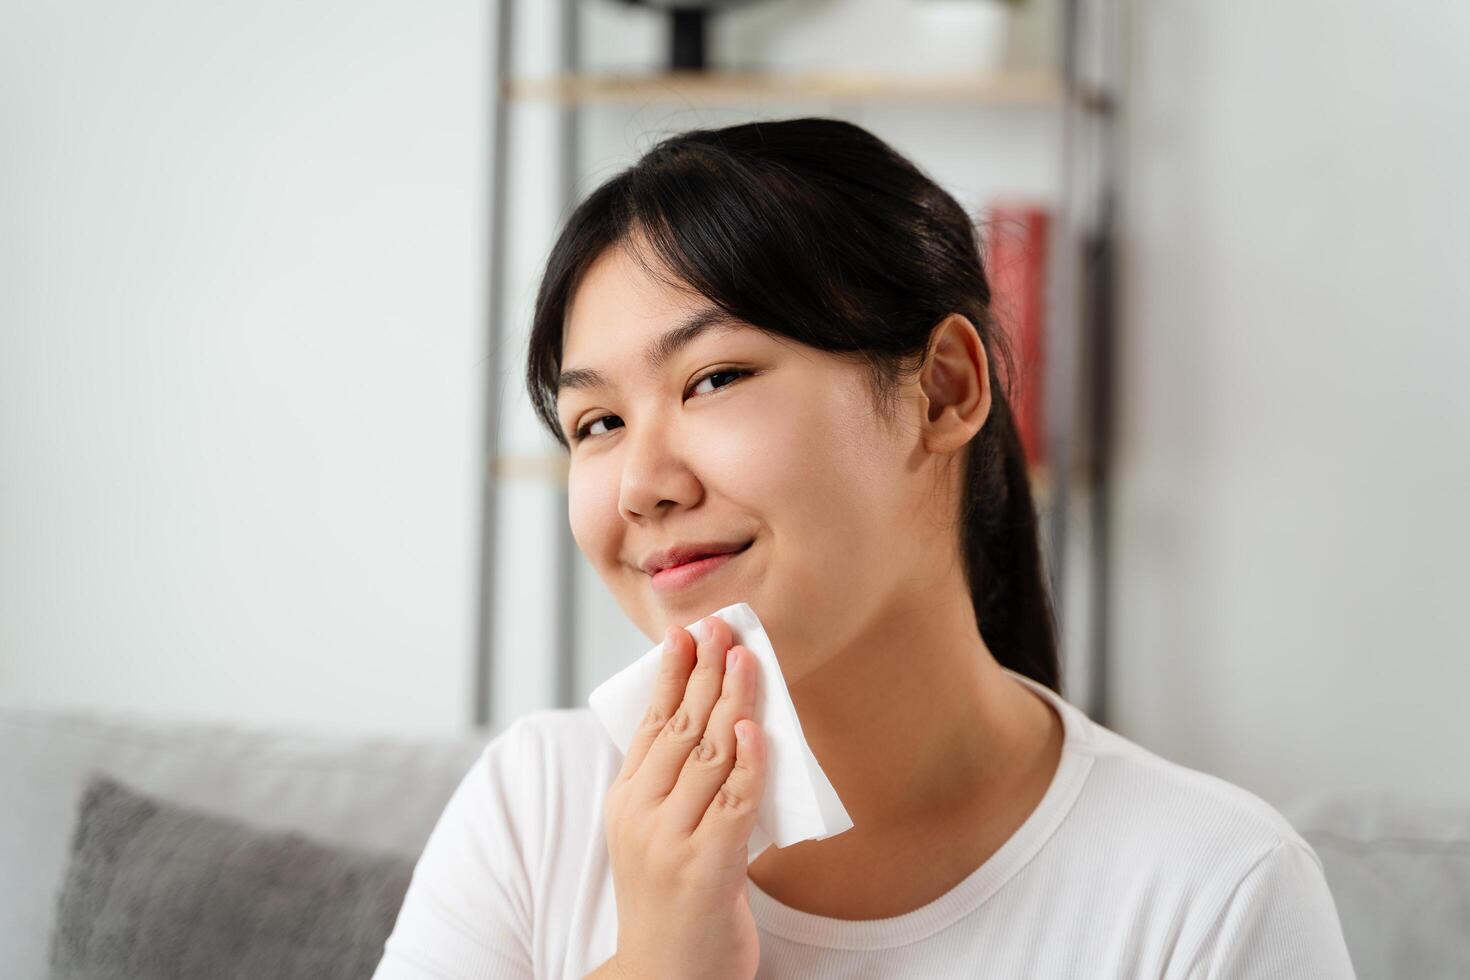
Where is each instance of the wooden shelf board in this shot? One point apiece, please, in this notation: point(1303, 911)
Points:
point(1000, 89)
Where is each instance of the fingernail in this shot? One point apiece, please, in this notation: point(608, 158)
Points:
point(730, 659)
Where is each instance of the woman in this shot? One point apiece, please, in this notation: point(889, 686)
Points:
point(775, 340)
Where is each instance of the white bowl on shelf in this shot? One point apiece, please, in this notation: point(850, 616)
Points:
point(957, 37)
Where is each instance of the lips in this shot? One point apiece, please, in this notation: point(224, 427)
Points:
point(689, 553)
point(707, 554)
point(676, 578)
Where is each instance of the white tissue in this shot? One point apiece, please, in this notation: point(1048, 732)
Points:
point(799, 802)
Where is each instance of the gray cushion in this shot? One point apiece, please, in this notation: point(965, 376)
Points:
point(155, 890)
point(1399, 870)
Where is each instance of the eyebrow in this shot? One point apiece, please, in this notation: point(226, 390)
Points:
point(658, 352)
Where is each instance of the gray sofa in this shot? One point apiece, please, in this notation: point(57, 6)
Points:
point(1400, 872)
point(376, 794)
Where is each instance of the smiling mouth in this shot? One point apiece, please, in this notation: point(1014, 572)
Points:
point(715, 554)
point(678, 577)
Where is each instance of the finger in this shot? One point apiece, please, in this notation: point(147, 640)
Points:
point(660, 768)
point(730, 817)
point(707, 767)
point(668, 691)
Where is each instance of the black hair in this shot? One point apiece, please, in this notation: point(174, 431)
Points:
point(816, 230)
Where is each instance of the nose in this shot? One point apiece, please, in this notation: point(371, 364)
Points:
point(655, 472)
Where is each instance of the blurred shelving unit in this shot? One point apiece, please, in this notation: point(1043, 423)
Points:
point(1071, 497)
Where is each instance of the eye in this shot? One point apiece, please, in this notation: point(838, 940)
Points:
point(584, 432)
point(734, 372)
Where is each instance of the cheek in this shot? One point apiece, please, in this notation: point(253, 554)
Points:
point(839, 489)
point(759, 454)
point(592, 513)
point(795, 463)
point(809, 447)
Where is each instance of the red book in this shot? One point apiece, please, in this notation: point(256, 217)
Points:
point(1015, 263)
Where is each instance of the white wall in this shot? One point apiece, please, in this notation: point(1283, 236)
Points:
point(1294, 439)
point(241, 357)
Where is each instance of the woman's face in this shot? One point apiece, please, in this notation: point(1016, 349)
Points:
point(736, 436)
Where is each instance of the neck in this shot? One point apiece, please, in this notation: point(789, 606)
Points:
point(916, 720)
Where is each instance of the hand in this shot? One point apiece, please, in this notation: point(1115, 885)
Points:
point(679, 815)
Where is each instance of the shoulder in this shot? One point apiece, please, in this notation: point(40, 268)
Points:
point(1192, 840)
point(1152, 811)
point(566, 748)
point(1247, 890)
point(1183, 810)
point(560, 730)
point(505, 841)
point(533, 785)
point(1181, 832)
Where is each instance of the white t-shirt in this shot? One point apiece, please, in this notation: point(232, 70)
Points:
point(1131, 866)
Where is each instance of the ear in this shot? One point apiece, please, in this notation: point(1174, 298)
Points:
point(955, 381)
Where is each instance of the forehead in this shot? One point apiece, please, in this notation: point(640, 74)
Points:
point(617, 302)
